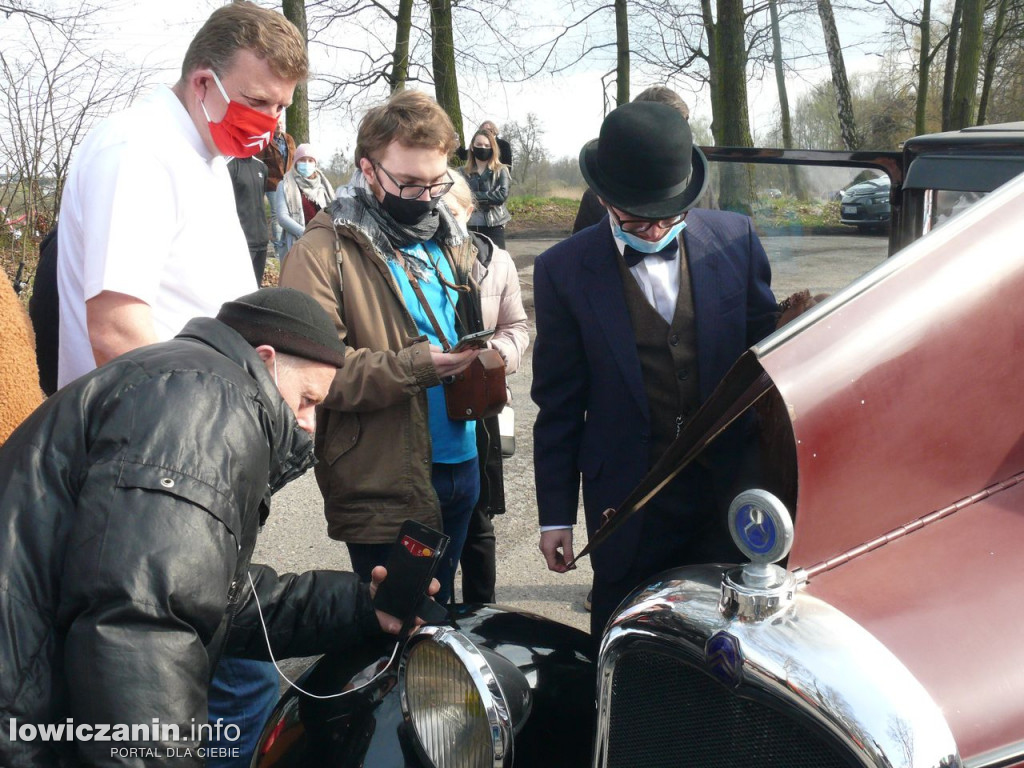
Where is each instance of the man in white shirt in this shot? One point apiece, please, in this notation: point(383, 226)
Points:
point(148, 235)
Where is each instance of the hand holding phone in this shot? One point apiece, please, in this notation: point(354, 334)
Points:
point(393, 626)
point(476, 340)
point(411, 564)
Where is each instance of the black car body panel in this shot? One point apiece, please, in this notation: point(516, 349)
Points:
point(368, 727)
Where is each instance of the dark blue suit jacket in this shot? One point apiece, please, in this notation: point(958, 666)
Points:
point(594, 419)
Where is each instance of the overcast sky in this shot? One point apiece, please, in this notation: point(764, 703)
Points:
point(569, 106)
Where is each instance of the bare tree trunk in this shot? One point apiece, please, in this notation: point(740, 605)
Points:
point(714, 75)
point(780, 76)
point(951, 49)
point(731, 121)
point(965, 86)
point(400, 59)
point(622, 51)
point(780, 84)
point(847, 123)
point(446, 83)
point(297, 115)
point(924, 60)
point(990, 60)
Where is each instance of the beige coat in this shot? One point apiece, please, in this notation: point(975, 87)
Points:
point(19, 376)
point(372, 437)
point(501, 302)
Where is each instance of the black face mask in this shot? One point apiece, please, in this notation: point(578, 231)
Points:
point(482, 153)
point(408, 212)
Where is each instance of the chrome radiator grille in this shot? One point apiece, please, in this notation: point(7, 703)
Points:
point(664, 714)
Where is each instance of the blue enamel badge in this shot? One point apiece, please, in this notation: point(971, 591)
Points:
point(724, 658)
point(761, 526)
point(756, 529)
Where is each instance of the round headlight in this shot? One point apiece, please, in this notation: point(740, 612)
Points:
point(452, 698)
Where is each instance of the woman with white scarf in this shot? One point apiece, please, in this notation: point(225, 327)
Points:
point(303, 191)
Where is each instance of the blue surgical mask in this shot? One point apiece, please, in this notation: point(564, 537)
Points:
point(647, 246)
point(305, 169)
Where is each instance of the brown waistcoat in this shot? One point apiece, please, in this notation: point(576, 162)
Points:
point(668, 357)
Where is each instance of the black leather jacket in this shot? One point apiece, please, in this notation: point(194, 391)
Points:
point(130, 502)
point(490, 192)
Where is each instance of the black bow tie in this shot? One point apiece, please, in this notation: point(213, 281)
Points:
point(634, 257)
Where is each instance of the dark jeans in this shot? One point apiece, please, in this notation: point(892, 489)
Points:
point(497, 234)
point(366, 557)
point(243, 692)
point(457, 487)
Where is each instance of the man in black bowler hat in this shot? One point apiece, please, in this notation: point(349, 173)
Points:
point(638, 318)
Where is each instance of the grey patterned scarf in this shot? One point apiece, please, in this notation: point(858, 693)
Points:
point(357, 207)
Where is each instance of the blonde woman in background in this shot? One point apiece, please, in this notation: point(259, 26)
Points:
point(501, 304)
point(490, 182)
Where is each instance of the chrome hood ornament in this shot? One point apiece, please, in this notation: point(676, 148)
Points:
point(762, 528)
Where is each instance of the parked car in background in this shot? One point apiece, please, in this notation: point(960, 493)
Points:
point(877, 623)
point(866, 204)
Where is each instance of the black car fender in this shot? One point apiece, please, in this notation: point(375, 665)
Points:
point(366, 726)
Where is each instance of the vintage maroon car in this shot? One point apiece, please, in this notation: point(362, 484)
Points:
point(878, 622)
point(892, 635)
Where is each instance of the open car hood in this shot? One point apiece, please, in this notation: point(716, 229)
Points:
point(905, 391)
point(901, 404)
point(905, 396)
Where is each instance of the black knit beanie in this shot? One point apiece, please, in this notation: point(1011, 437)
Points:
point(287, 320)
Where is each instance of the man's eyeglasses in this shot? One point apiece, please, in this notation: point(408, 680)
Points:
point(640, 226)
point(415, 191)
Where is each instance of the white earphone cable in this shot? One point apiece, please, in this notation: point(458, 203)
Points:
point(270, 652)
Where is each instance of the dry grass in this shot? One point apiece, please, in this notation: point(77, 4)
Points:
point(547, 215)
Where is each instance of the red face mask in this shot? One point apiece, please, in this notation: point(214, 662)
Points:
point(243, 131)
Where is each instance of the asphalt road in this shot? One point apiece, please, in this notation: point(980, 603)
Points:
point(295, 537)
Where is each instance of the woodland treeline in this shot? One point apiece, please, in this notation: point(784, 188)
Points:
point(939, 63)
point(942, 65)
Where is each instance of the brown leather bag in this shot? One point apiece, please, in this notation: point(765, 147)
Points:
point(479, 391)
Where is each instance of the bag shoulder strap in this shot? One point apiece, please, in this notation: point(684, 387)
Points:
point(339, 258)
point(426, 307)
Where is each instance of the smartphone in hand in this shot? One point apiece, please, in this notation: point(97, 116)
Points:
point(476, 340)
point(412, 562)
